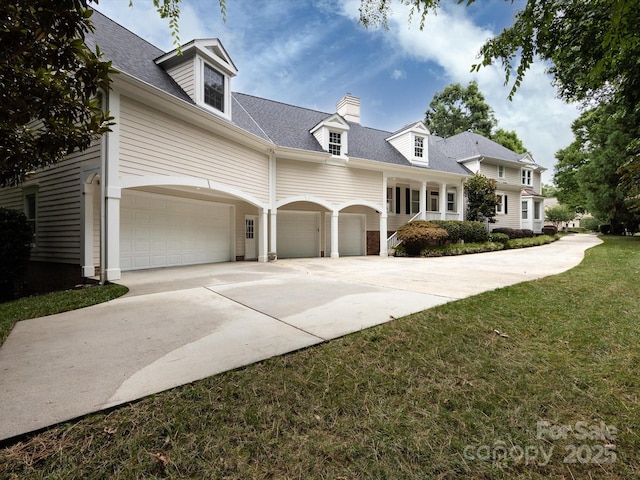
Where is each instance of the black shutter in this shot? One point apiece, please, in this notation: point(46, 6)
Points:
point(407, 201)
point(504, 199)
point(398, 200)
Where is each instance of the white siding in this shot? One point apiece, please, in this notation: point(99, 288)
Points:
point(512, 218)
point(184, 75)
point(403, 145)
point(335, 184)
point(154, 143)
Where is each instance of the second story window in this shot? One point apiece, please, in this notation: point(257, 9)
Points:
point(527, 176)
point(500, 171)
point(335, 143)
point(418, 147)
point(213, 88)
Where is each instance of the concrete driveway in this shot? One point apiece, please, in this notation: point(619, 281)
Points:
point(182, 324)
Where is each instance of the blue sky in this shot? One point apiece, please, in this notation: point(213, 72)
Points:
point(311, 53)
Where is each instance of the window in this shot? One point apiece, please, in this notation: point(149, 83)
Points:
point(536, 210)
point(525, 210)
point(415, 201)
point(389, 199)
point(502, 204)
point(30, 210)
point(418, 147)
point(434, 202)
point(526, 177)
point(248, 228)
point(451, 201)
point(500, 171)
point(213, 88)
point(335, 141)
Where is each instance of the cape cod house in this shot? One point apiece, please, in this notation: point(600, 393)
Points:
point(195, 173)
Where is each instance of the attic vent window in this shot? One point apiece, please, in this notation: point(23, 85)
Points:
point(213, 88)
point(418, 146)
point(335, 143)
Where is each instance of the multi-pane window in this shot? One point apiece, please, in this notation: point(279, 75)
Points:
point(433, 202)
point(249, 228)
point(213, 88)
point(335, 143)
point(389, 199)
point(451, 201)
point(500, 171)
point(527, 177)
point(415, 201)
point(418, 146)
point(525, 210)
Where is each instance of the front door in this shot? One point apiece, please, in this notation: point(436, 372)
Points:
point(250, 235)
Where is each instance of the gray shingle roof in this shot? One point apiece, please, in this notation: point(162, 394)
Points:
point(282, 124)
point(468, 145)
point(131, 54)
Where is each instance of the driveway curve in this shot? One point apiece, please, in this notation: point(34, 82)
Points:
point(178, 325)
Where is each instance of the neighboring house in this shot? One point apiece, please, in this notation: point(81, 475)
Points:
point(193, 173)
point(518, 178)
point(574, 223)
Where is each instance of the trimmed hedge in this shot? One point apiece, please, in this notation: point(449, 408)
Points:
point(468, 232)
point(15, 250)
point(502, 238)
point(549, 230)
point(416, 235)
point(514, 232)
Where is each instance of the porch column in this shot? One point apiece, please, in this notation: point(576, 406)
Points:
point(88, 265)
point(112, 237)
point(334, 234)
point(461, 201)
point(263, 235)
point(273, 231)
point(384, 251)
point(423, 201)
point(443, 201)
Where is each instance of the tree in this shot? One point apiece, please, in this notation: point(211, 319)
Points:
point(549, 191)
point(50, 85)
point(458, 109)
point(509, 139)
point(481, 198)
point(559, 214)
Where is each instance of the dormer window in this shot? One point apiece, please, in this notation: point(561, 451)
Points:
point(335, 143)
point(418, 147)
point(527, 177)
point(213, 88)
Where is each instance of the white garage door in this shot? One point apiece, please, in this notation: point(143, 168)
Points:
point(298, 234)
point(351, 234)
point(162, 231)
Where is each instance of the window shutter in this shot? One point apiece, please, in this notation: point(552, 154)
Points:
point(398, 200)
point(407, 200)
point(505, 204)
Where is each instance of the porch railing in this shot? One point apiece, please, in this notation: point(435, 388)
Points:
point(393, 241)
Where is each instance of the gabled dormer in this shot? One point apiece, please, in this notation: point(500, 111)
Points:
point(332, 135)
point(412, 141)
point(204, 71)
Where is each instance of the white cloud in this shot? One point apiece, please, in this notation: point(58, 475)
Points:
point(397, 74)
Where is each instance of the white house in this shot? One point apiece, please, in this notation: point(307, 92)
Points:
point(193, 172)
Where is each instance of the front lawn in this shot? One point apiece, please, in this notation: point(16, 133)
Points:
point(534, 381)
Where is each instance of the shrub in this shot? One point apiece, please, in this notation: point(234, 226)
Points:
point(452, 227)
point(590, 223)
point(15, 249)
point(473, 232)
point(418, 234)
point(461, 249)
point(502, 238)
point(514, 232)
point(530, 242)
point(549, 230)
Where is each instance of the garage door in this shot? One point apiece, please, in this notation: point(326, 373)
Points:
point(351, 234)
point(162, 231)
point(298, 234)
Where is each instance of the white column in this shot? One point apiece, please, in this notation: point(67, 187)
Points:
point(88, 266)
point(461, 201)
point(423, 201)
point(273, 231)
point(112, 211)
point(443, 201)
point(111, 194)
point(384, 251)
point(263, 235)
point(334, 234)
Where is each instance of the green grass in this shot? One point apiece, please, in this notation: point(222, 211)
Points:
point(431, 395)
point(55, 302)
